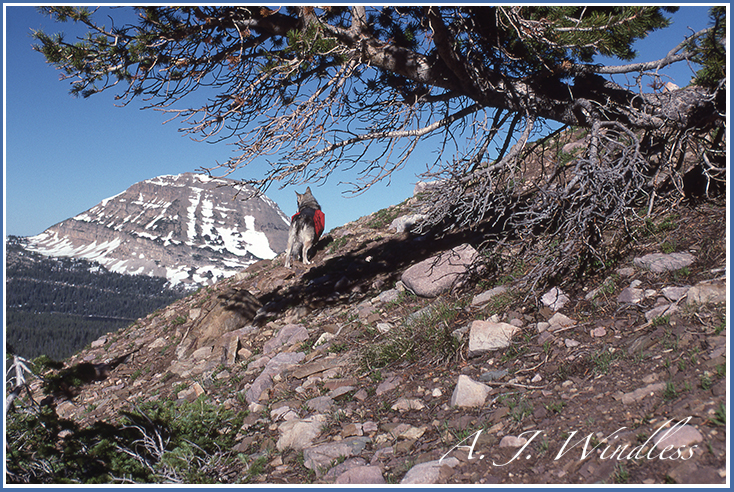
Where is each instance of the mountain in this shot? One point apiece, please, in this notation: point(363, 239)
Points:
point(187, 228)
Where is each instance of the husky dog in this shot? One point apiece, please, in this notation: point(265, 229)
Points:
point(306, 227)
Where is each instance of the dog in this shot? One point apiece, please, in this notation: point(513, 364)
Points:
point(306, 227)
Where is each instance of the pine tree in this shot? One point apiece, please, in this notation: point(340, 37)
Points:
point(325, 88)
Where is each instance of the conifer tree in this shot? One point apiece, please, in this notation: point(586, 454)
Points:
point(317, 89)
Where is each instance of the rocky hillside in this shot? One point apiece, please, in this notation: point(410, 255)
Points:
point(187, 228)
point(340, 373)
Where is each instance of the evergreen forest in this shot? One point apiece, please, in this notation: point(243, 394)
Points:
point(56, 306)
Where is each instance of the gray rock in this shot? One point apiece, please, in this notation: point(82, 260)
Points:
point(320, 404)
point(298, 434)
point(277, 365)
point(492, 375)
point(598, 332)
point(664, 310)
point(440, 273)
point(626, 271)
point(430, 472)
point(258, 363)
point(413, 317)
point(99, 342)
point(469, 393)
point(641, 393)
point(555, 299)
point(362, 475)
point(318, 458)
point(677, 436)
point(389, 295)
point(340, 391)
point(314, 367)
point(405, 404)
point(512, 442)
point(283, 413)
point(486, 296)
point(288, 335)
point(570, 147)
point(388, 384)
point(384, 327)
point(675, 293)
point(660, 262)
point(707, 293)
point(694, 473)
point(559, 321)
point(423, 186)
point(487, 335)
point(545, 337)
point(630, 295)
point(342, 467)
point(407, 431)
point(405, 222)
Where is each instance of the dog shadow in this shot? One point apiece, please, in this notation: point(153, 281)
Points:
point(353, 276)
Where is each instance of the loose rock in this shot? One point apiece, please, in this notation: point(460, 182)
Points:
point(486, 335)
point(298, 434)
point(320, 457)
point(555, 299)
point(362, 475)
point(438, 274)
point(469, 393)
point(660, 262)
point(707, 293)
point(430, 472)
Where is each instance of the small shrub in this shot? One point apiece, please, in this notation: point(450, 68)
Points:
point(519, 407)
point(670, 392)
point(721, 326)
point(621, 475)
point(602, 360)
point(431, 334)
point(556, 406)
point(383, 218)
point(256, 468)
point(668, 247)
point(720, 415)
point(337, 244)
point(706, 382)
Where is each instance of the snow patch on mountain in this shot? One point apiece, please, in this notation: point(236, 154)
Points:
point(188, 228)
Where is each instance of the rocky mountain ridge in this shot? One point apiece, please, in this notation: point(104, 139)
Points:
point(346, 376)
point(187, 228)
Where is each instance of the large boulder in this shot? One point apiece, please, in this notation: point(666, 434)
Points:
point(236, 309)
point(440, 273)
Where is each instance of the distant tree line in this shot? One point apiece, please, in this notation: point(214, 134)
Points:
point(56, 306)
point(56, 335)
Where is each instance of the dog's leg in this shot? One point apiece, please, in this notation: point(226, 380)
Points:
point(289, 251)
point(306, 246)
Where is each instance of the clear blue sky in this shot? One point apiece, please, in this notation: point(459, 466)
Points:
point(63, 155)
